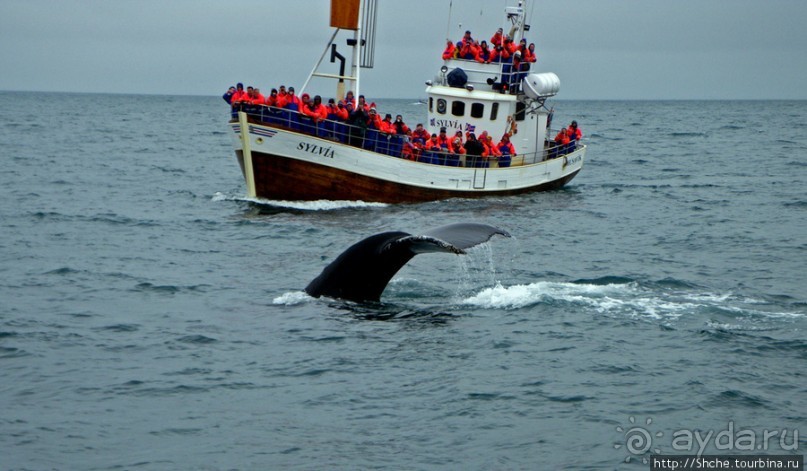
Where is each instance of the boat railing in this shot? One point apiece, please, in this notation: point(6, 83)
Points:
point(395, 145)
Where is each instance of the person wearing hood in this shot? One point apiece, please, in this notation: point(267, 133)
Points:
point(450, 52)
point(292, 101)
point(315, 108)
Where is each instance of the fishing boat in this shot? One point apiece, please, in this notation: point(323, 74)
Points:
point(289, 156)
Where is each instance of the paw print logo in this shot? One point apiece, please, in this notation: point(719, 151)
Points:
point(638, 439)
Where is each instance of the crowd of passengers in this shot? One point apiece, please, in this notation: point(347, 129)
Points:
point(362, 115)
point(502, 49)
point(515, 58)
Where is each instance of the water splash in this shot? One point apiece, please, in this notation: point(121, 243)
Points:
point(292, 298)
point(319, 205)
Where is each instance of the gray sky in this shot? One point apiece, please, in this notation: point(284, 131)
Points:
point(601, 49)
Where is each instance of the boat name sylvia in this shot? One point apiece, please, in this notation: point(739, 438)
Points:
point(316, 150)
point(571, 161)
point(446, 123)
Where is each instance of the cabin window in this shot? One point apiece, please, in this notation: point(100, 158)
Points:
point(477, 110)
point(441, 106)
point(494, 111)
point(431, 104)
point(458, 108)
point(520, 111)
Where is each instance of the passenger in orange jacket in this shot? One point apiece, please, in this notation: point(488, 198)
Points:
point(511, 46)
point(498, 38)
point(349, 99)
point(336, 112)
point(530, 56)
point(420, 136)
point(316, 109)
point(562, 138)
point(375, 120)
point(282, 97)
point(240, 95)
point(574, 133)
point(450, 50)
point(467, 39)
point(444, 142)
point(257, 97)
point(386, 125)
point(432, 144)
point(292, 101)
point(483, 53)
point(399, 127)
point(271, 100)
point(468, 51)
point(505, 147)
point(500, 54)
point(490, 146)
point(409, 151)
point(458, 147)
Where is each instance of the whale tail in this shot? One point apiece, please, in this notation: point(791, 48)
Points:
point(362, 272)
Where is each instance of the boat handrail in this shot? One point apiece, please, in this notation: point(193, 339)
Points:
point(395, 145)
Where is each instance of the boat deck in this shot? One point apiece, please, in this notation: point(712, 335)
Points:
point(384, 143)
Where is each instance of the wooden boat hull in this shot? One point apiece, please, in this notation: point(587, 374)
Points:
point(289, 166)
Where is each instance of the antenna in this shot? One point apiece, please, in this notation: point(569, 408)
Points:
point(370, 15)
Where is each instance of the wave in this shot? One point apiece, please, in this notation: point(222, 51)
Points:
point(319, 205)
point(617, 296)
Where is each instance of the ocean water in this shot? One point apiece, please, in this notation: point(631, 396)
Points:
point(152, 318)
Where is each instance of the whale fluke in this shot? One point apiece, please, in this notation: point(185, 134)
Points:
point(362, 271)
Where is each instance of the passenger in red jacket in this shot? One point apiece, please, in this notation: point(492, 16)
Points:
point(375, 120)
point(510, 45)
point(292, 101)
point(349, 99)
point(336, 112)
point(505, 147)
point(282, 97)
point(562, 138)
point(469, 50)
point(399, 127)
point(467, 39)
point(530, 54)
point(458, 147)
point(315, 109)
point(386, 125)
point(432, 143)
point(450, 50)
point(574, 133)
point(271, 100)
point(493, 151)
point(498, 38)
point(257, 97)
point(240, 94)
point(420, 136)
point(444, 142)
point(483, 53)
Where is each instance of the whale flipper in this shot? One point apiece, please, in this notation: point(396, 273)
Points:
point(362, 271)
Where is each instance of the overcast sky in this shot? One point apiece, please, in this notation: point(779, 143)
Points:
point(601, 49)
